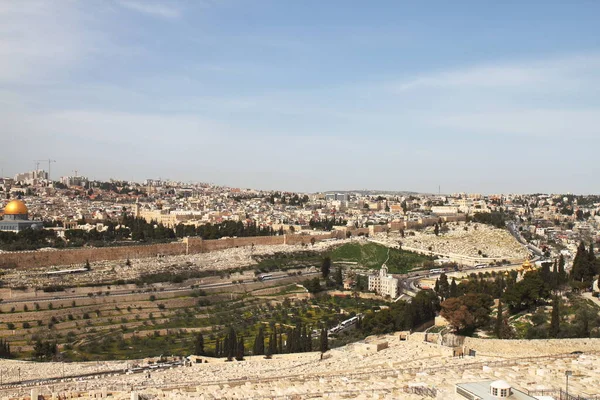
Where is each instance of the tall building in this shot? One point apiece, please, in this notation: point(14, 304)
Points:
point(32, 177)
point(16, 218)
point(74, 180)
point(384, 284)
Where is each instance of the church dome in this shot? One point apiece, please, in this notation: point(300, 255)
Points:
point(15, 207)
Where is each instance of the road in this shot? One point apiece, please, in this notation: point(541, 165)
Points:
point(127, 292)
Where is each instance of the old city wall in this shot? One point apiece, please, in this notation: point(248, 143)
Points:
point(525, 348)
point(192, 245)
point(28, 259)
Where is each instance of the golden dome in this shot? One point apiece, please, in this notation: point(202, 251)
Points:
point(15, 207)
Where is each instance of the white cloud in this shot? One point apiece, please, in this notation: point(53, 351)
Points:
point(155, 9)
point(562, 71)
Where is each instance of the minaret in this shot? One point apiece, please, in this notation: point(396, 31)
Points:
point(137, 207)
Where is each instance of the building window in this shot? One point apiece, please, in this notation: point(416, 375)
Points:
point(494, 392)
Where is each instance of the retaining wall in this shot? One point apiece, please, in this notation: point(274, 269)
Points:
point(525, 348)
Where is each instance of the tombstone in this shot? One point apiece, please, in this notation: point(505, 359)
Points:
point(134, 396)
point(34, 394)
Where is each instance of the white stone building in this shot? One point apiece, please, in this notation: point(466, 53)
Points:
point(384, 284)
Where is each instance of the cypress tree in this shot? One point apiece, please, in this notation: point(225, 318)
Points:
point(444, 286)
point(338, 277)
point(280, 342)
point(324, 345)
point(499, 321)
point(325, 267)
point(240, 350)
point(272, 349)
point(289, 340)
point(555, 275)
point(580, 262)
point(555, 322)
point(199, 345)
point(259, 342)
point(230, 344)
point(562, 274)
point(453, 288)
point(304, 339)
point(592, 260)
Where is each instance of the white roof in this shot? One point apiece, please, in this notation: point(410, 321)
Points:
point(500, 385)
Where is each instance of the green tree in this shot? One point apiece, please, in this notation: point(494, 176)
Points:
point(272, 348)
point(312, 285)
point(499, 321)
point(592, 260)
point(338, 277)
point(583, 270)
point(444, 286)
point(468, 312)
point(324, 343)
point(453, 288)
point(555, 322)
point(239, 356)
point(436, 229)
point(199, 345)
point(259, 342)
point(527, 293)
point(325, 266)
point(230, 344)
point(562, 274)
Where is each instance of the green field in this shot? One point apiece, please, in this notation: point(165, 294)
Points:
point(366, 255)
point(372, 255)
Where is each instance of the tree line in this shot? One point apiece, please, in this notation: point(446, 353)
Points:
point(296, 339)
point(5, 349)
point(468, 305)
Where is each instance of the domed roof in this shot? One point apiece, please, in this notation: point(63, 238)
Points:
point(15, 207)
point(500, 385)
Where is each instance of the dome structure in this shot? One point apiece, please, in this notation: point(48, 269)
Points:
point(500, 389)
point(15, 207)
point(16, 218)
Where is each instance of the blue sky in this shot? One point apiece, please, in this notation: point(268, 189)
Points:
point(306, 95)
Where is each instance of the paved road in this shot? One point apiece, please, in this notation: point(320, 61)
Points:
point(128, 292)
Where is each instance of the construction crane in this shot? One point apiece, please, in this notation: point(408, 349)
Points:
point(49, 161)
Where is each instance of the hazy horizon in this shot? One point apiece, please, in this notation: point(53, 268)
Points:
point(305, 96)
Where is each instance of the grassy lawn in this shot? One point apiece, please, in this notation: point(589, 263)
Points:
point(373, 255)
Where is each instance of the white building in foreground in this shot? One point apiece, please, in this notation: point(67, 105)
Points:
point(384, 284)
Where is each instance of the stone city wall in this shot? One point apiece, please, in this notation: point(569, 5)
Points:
point(192, 245)
point(28, 259)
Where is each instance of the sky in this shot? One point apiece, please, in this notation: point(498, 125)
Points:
point(311, 95)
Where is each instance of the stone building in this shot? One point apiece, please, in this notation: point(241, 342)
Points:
point(384, 284)
point(16, 218)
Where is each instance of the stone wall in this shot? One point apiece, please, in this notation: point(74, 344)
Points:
point(529, 348)
point(27, 259)
point(192, 245)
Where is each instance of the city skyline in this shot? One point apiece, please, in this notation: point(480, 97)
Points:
point(305, 97)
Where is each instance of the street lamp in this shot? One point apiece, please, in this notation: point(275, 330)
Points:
point(567, 375)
